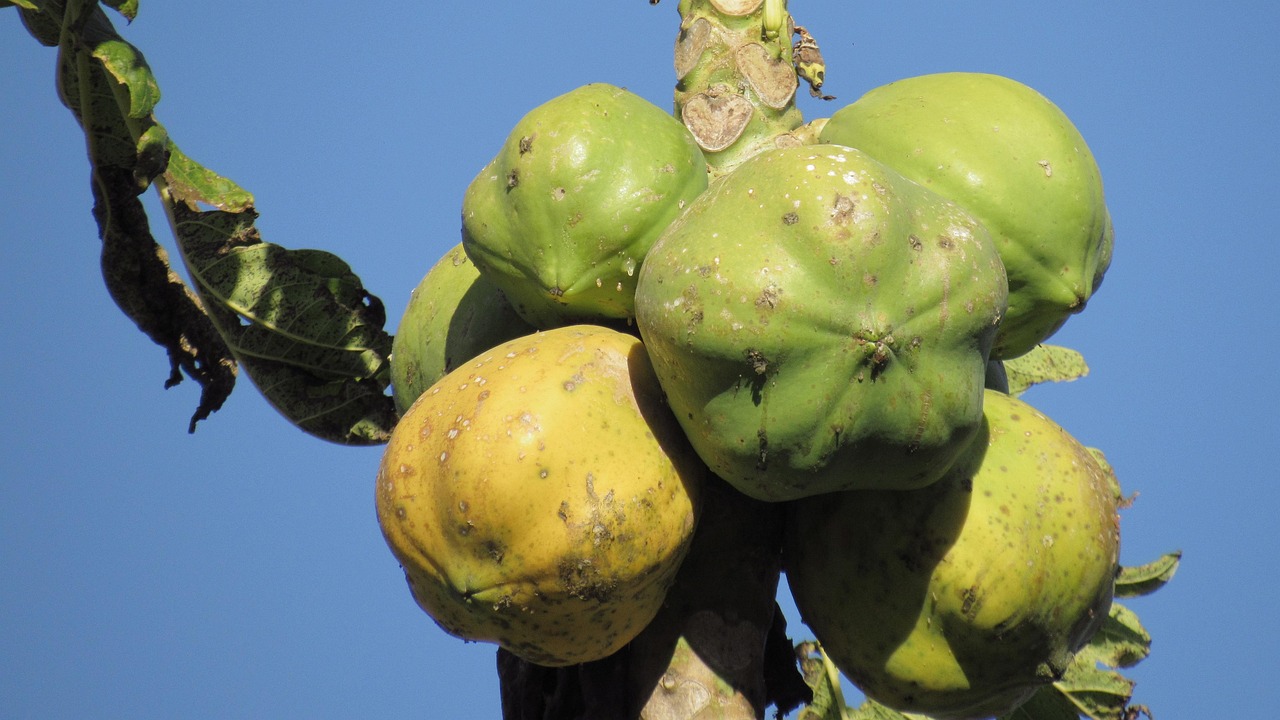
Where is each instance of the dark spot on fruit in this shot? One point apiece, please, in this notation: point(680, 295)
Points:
point(762, 460)
point(969, 602)
point(843, 209)
point(966, 484)
point(555, 292)
point(495, 550)
point(790, 218)
point(581, 579)
point(915, 243)
point(513, 179)
point(757, 361)
point(945, 242)
point(526, 144)
point(768, 297)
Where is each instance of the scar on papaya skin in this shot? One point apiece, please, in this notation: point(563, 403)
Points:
point(768, 298)
point(762, 461)
point(843, 210)
point(526, 143)
point(926, 405)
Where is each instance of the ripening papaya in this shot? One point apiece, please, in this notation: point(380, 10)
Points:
point(821, 323)
point(541, 496)
point(1014, 160)
point(561, 218)
point(961, 599)
point(453, 315)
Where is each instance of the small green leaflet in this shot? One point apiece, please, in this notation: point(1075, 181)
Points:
point(1146, 579)
point(1045, 363)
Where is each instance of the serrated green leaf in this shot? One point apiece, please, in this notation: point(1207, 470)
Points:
point(191, 183)
point(299, 321)
point(1120, 642)
point(872, 710)
point(1146, 579)
point(1096, 693)
point(43, 19)
point(1048, 703)
point(130, 69)
point(1045, 363)
point(127, 8)
point(822, 677)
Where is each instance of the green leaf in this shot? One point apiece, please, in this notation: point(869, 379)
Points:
point(299, 321)
point(130, 69)
point(821, 675)
point(27, 4)
point(1096, 693)
point(43, 25)
point(1048, 703)
point(1121, 641)
point(872, 710)
point(1045, 363)
point(1091, 688)
point(125, 153)
point(127, 8)
point(189, 182)
point(1146, 579)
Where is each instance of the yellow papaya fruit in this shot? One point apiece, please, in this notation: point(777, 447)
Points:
point(542, 496)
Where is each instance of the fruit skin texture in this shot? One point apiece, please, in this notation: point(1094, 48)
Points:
point(961, 599)
point(541, 496)
point(562, 217)
point(820, 323)
point(1013, 159)
point(453, 315)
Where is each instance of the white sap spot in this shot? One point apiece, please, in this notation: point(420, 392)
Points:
point(453, 433)
point(444, 456)
point(599, 282)
point(851, 178)
point(809, 167)
point(629, 266)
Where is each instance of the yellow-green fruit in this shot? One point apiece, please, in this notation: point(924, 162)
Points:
point(1015, 161)
point(453, 315)
point(562, 217)
point(961, 599)
point(542, 496)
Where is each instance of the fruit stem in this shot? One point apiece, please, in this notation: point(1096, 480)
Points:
point(735, 78)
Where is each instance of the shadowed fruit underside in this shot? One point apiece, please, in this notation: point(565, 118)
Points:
point(961, 599)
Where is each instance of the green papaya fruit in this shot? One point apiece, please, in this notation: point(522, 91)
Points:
point(1012, 158)
point(453, 315)
point(560, 220)
point(961, 599)
point(820, 323)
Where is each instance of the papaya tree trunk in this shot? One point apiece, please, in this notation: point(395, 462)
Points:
point(718, 649)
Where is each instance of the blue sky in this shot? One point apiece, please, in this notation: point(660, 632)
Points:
point(239, 572)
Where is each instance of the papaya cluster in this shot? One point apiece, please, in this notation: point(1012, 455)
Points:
point(821, 327)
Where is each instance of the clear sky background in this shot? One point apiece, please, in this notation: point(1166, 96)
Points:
point(239, 572)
